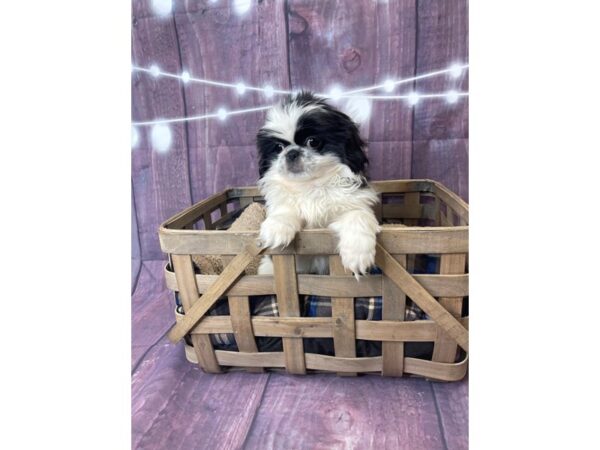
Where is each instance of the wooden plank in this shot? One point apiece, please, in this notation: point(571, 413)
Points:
point(184, 271)
point(173, 403)
point(361, 44)
point(199, 306)
point(329, 285)
point(436, 370)
point(421, 297)
point(342, 315)
point(444, 348)
point(161, 183)
point(442, 40)
point(402, 240)
point(136, 252)
point(286, 289)
point(152, 308)
point(319, 327)
point(453, 408)
point(239, 311)
point(453, 201)
point(216, 43)
point(383, 186)
point(445, 160)
point(326, 412)
point(394, 307)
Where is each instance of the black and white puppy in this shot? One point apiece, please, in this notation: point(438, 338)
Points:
point(311, 164)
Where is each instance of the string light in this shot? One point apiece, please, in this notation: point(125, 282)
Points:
point(453, 69)
point(269, 91)
point(452, 96)
point(413, 98)
point(241, 7)
point(358, 106)
point(155, 71)
point(335, 93)
point(161, 137)
point(388, 85)
point(456, 70)
point(162, 7)
point(240, 88)
point(222, 114)
point(135, 137)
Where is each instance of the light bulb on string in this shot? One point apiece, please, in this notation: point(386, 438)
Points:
point(222, 114)
point(161, 137)
point(413, 98)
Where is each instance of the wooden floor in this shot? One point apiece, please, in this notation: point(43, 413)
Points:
point(177, 406)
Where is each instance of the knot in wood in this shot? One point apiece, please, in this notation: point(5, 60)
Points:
point(298, 24)
point(351, 59)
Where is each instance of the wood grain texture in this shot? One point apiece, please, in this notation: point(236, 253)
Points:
point(453, 408)
point(176, 405)
point(329, 412)
point(288, 303)
point(360, 44)
point(161, 184)
point(444, 348)
point(442, 39)
point(394, 307)
point(421, 297)
point(342, 316)
point(136, 251)
point(446, 161)
point(218, 44)
point(152, 308)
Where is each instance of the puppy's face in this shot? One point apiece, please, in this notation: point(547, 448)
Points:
point(304, 138)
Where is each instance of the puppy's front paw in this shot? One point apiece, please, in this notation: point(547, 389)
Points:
point(275, 233)
point(358, 254)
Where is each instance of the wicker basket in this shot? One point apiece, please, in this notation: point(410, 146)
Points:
point(435, 223)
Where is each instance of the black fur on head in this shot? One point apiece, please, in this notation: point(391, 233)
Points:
point(305, 116)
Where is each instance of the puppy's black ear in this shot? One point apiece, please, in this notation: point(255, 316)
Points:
point(267, 151)
point(356, 158)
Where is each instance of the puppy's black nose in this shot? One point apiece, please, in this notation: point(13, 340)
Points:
point(292, 155)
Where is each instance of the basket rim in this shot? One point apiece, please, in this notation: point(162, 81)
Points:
point(427, 185)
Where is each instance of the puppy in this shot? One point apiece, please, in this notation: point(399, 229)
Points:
point(311, 165)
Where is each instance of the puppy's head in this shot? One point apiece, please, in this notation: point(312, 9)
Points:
point(305, 138)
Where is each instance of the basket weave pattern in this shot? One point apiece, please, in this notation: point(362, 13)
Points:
point(434, 221)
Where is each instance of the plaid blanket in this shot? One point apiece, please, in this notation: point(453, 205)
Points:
point(365, 308)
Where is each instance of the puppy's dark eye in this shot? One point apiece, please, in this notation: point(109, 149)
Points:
point(312, 142)
point(279, 146)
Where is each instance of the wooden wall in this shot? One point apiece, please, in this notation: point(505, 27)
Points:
point(290, 44)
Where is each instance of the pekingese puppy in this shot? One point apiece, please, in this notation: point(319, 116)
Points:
point(311, 166)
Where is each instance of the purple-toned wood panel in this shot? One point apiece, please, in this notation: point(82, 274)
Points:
point(441, 41)
point(152, 308)
point(358, 45)
point(136, 251)
point(453, 409)
point(218, 44)
point(177, 406)
point(161, 183)
point(445, 160)
point(330, 412)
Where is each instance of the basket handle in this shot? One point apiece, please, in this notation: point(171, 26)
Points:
point(229, 275)
point(421, 297)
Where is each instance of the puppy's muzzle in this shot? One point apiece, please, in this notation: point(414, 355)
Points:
point(292, 155)
point(293, 160)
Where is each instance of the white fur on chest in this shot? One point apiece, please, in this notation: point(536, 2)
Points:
point(318, 203)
